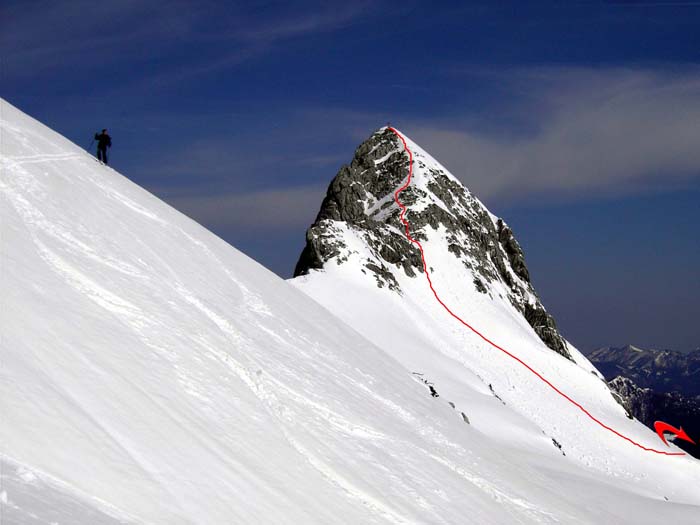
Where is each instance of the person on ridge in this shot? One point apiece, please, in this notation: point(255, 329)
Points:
point(104, 141)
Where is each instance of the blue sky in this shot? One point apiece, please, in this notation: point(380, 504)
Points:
point(579, 122)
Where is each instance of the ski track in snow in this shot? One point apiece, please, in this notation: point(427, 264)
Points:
point(281, 413)
point(39, 224)
point(440, 440)
point(487, 340)
point(269, 392)
point(13, 162)
point(15, 474)
point(253, 301)
point(361, 431)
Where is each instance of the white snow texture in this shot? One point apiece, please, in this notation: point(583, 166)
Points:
point(150, 373)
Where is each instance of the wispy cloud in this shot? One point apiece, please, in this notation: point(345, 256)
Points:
point(317, 20)
point(268, 179)
point(283, 210)
point(243, 37)
point(177, 39)
point(549, 133)
point(587, 132)
point(54, 34)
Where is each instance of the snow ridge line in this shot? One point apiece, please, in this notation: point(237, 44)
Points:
point(482, 336)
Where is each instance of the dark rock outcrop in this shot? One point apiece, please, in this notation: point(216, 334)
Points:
point(360, 198)
point(649, 406)
point(655, 385)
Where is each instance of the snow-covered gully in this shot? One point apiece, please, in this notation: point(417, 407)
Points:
point(426, 271)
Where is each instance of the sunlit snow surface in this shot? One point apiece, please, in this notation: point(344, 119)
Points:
point(500, 397)
point(151, 373)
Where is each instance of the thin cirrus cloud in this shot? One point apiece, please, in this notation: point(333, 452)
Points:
point(245, 39)
point(286, 210)
point(59, 35)
point(587, 133)
point(580, 133)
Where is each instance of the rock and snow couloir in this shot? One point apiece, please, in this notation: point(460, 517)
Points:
point(358, 263)
point(151, 373)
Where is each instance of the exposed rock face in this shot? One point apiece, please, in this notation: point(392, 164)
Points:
point(649, 406)
point(360, 198)
point(354, 189)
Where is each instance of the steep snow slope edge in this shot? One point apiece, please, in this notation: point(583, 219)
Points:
point(362, 197)
point(362, 279)
point(151, 373)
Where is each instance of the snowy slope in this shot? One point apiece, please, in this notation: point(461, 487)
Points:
point(501, 398)
point(151, 373)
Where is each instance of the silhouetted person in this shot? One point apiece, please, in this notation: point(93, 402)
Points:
point(104, 141)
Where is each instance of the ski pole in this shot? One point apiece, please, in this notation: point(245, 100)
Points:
point(90, 146)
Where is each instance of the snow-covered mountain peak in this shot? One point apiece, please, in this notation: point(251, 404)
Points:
point(358, 228)
point(153, 374)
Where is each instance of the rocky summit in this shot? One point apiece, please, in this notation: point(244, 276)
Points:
point(361, 198)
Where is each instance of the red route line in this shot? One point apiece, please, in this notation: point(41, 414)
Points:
point(482, 336)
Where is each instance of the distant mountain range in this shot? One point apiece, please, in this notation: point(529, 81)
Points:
point(655, 385)
point(660, 370)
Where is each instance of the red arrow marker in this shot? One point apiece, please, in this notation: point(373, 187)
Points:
point(407, 225)
point(662, 427)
